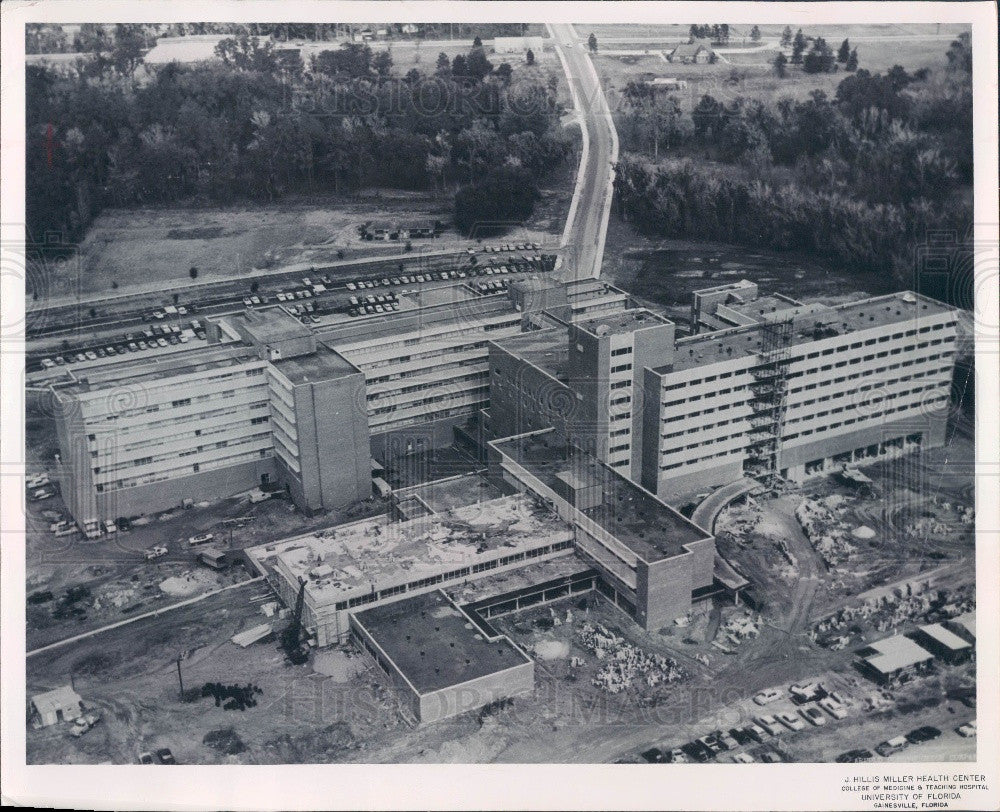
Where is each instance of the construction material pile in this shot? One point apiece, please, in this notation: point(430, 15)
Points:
point(231, 697)
point(829, 537)
point(740, 628)
point(623, 663)
point(911, 602)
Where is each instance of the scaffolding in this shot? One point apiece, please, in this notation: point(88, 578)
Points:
point(768, 390)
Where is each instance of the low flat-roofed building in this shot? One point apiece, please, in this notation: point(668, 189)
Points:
point(964, 626)
point(440, 663)
point(58, 705)
point(890, 659)
point(942, 643)
point(379, 560)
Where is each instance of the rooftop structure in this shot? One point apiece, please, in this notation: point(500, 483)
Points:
point(546, 349)
point(651, 529)
point(626, 321)
point(320, 365)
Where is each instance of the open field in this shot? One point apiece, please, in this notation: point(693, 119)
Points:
point(134, 247)
point(751, 75)
point(617, 32)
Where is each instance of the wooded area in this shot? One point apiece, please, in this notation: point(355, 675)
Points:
point(257, 125)
point(861, 178)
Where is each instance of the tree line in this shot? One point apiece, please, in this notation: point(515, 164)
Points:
point(255, 126)
point(861, 178)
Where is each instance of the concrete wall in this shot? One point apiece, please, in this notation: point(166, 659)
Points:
point(525, 398)
point(653, 347)
point(702, 563)
point(697, 478)
point(663, 591)
point(333, 443)
point(390, 446)
point(170, 493)
point(478, 692)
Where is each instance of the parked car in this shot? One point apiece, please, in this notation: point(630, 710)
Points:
point(155, 552)
point(165, 756)
point(204, 538)
point(893, 745)
point(728, 741)
point(813, 716)
point(740, 736)
point(743, 758)
point(968, 730)
point(791, 721)
point(767, 696)
point(806, 692)
point(146, 758)
point(833, 707)
point(855, 756)
point(755, 732)
point(83, 724)
point(923, 734)
point(654, 755)
point(770, 724)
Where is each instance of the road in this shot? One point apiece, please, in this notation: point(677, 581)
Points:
point(591, 208)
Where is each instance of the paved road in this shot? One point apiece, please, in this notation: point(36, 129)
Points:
point(584, 236)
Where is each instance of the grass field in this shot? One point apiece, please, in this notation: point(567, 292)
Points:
point(611, 32)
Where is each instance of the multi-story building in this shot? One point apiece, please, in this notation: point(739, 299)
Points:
point(774, 388)
point(271, 401)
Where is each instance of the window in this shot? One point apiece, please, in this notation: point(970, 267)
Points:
point(621, 351)
point(182, 402)
point(621, 368)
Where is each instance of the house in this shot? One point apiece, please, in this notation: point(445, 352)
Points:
point(60, 705)
point(412, 29)
point(691, 53)
point(891, 659)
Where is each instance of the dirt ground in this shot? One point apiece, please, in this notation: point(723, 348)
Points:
point(663, 274)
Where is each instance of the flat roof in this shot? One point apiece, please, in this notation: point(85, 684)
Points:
point(271, 324)
point(894, 653)
point(945, 637)
point(807, 326)
point(186, 361)
point(622, 321)
point(322, 365)
point(651, 529)
point(434, 645)
point(546, 349)
point(339, 562)
point(967, 622)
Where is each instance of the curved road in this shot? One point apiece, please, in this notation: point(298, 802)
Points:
point(588, 221)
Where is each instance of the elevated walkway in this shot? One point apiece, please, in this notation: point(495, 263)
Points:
point(708, 511)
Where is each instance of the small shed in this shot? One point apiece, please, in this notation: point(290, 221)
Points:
point(59, 705)
point(890, 659)
point(942, 643)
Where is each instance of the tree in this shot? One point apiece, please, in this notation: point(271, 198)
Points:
point(382, 64)
point(755, 33)
point(844, 52)
point(852, 61)
point(443, 66)
point(193, 273)
point(529, 57)
point(820, 58)
point(477, 42)
point(707, 116)
point(960, 54)
point(786, 36)
point(504, 196)
point(130, 45)
point(780, 63)
point(477, 65)
point(504, 72)
point(592, 43)
point(798, 46)
point(459, 69)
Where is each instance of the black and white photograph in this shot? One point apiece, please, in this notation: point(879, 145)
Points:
point(503, 384)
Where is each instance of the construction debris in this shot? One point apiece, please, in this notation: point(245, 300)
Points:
point(625, 663)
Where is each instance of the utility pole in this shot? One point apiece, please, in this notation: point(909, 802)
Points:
point(180, 677)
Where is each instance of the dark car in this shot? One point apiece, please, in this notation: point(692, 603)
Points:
point(165, 756)
point(697, 752)
point(145, 758)
point(741, 736)
point(654, 755)
point(854, 756)
point(922, 734)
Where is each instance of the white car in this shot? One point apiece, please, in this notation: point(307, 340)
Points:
point(48, 363)
point(767, 696)
point(743, 758)
point(833, 707)
point(770, 724)
point(968, 730)
point(791, 721)
point(204, 538)
point(155, 552)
